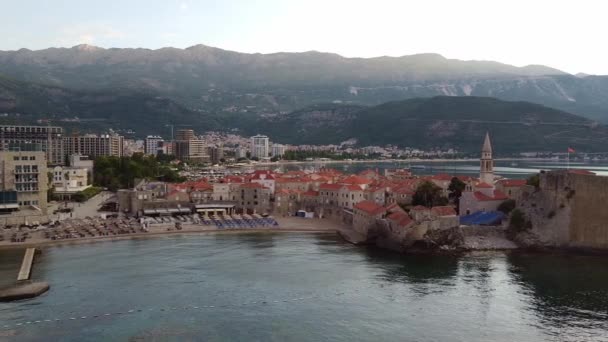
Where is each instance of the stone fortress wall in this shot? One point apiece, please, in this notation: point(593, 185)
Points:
point(570, 210)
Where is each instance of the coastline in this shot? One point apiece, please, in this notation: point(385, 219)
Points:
point(364, 161)
point(286, 225)
point(48, 243)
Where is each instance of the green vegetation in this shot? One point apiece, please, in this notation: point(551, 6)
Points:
point(303, 155)
point(429, 195)
point(50, 193)
point(455, 189)
point(534, 181)
point(518, 222)
point(427, 123)
point(507, 206)
point(115, 173)
point(86, 194)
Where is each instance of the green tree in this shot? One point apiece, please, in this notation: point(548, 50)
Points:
point(534, 180)
point(507, 206)
point(50, 193)
point(429, 195)
point(455, 189)
point(115, 172)
point(518, 222)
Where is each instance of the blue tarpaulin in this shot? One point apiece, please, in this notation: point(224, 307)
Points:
point(485, 218)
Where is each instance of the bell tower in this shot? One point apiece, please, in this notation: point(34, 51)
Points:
point(486, 170)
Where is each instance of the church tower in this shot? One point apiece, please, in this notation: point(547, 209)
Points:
point(486, 173)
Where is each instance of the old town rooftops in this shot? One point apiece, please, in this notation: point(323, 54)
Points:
point(512, 182)
point(370, 207)
point(498, 196)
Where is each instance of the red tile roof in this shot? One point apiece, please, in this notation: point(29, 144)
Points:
point(483, 185)
point(283, 192)
point(252, 186)
point(234, 179)
point(442, 177)
point(419, 207)
point(443, 211)
point(400, 218)
point(582, 172)
point(354, 187)
point(498, 196)
point(394, 207)
point(311, 193)
point(355, 180)
point(512, 182)
point(404, 190)
point(330, 186)
point(370, 207)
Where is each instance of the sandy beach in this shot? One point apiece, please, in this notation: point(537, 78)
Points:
point(286, 225)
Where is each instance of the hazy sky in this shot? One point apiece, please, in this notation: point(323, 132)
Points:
point(568, 35)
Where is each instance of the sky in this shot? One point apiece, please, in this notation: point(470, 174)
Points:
point(567, 35)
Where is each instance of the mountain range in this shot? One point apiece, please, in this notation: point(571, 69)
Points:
point(211, 79)
point(323, 97)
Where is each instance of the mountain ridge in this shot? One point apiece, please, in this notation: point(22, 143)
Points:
point(204, 47)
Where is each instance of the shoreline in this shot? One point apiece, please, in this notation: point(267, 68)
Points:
point(50, 243)
point(414, 160)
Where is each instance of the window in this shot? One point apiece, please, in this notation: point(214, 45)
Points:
point(24, 158)
point(15, 158)
point(32, 157)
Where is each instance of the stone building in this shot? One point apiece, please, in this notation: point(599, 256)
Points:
point(482, 196)
point(23, 187)
point(68, 181)
point(365, 214)
point(254, 199)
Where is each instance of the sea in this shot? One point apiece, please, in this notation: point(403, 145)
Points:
point(302, 287)
point(506, 168)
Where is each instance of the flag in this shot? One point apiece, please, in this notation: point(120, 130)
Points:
point(571, 150)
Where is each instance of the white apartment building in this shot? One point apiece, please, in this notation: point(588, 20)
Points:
point(278, 150)
point(260, 146)
point(153, 145)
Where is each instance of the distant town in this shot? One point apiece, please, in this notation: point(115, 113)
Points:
point(63, 183)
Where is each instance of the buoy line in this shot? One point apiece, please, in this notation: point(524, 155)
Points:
point(163, 309)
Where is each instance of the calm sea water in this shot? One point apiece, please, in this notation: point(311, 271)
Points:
point(303, 287)
point(509, 169)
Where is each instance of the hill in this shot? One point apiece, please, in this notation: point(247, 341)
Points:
point(213, 80)
point(444, 122)
point(95, 110)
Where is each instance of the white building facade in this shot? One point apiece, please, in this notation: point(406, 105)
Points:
point(260, 146)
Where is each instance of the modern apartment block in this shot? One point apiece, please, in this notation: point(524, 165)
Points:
point(154, 145)
point(23, 187)
point(94, 146)
point(184, 135)
point(42, 138)
point(259, 146)
point(278, 150)
point(216, 153)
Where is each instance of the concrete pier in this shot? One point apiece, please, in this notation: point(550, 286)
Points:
point(26, 265)
point(23, 291)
